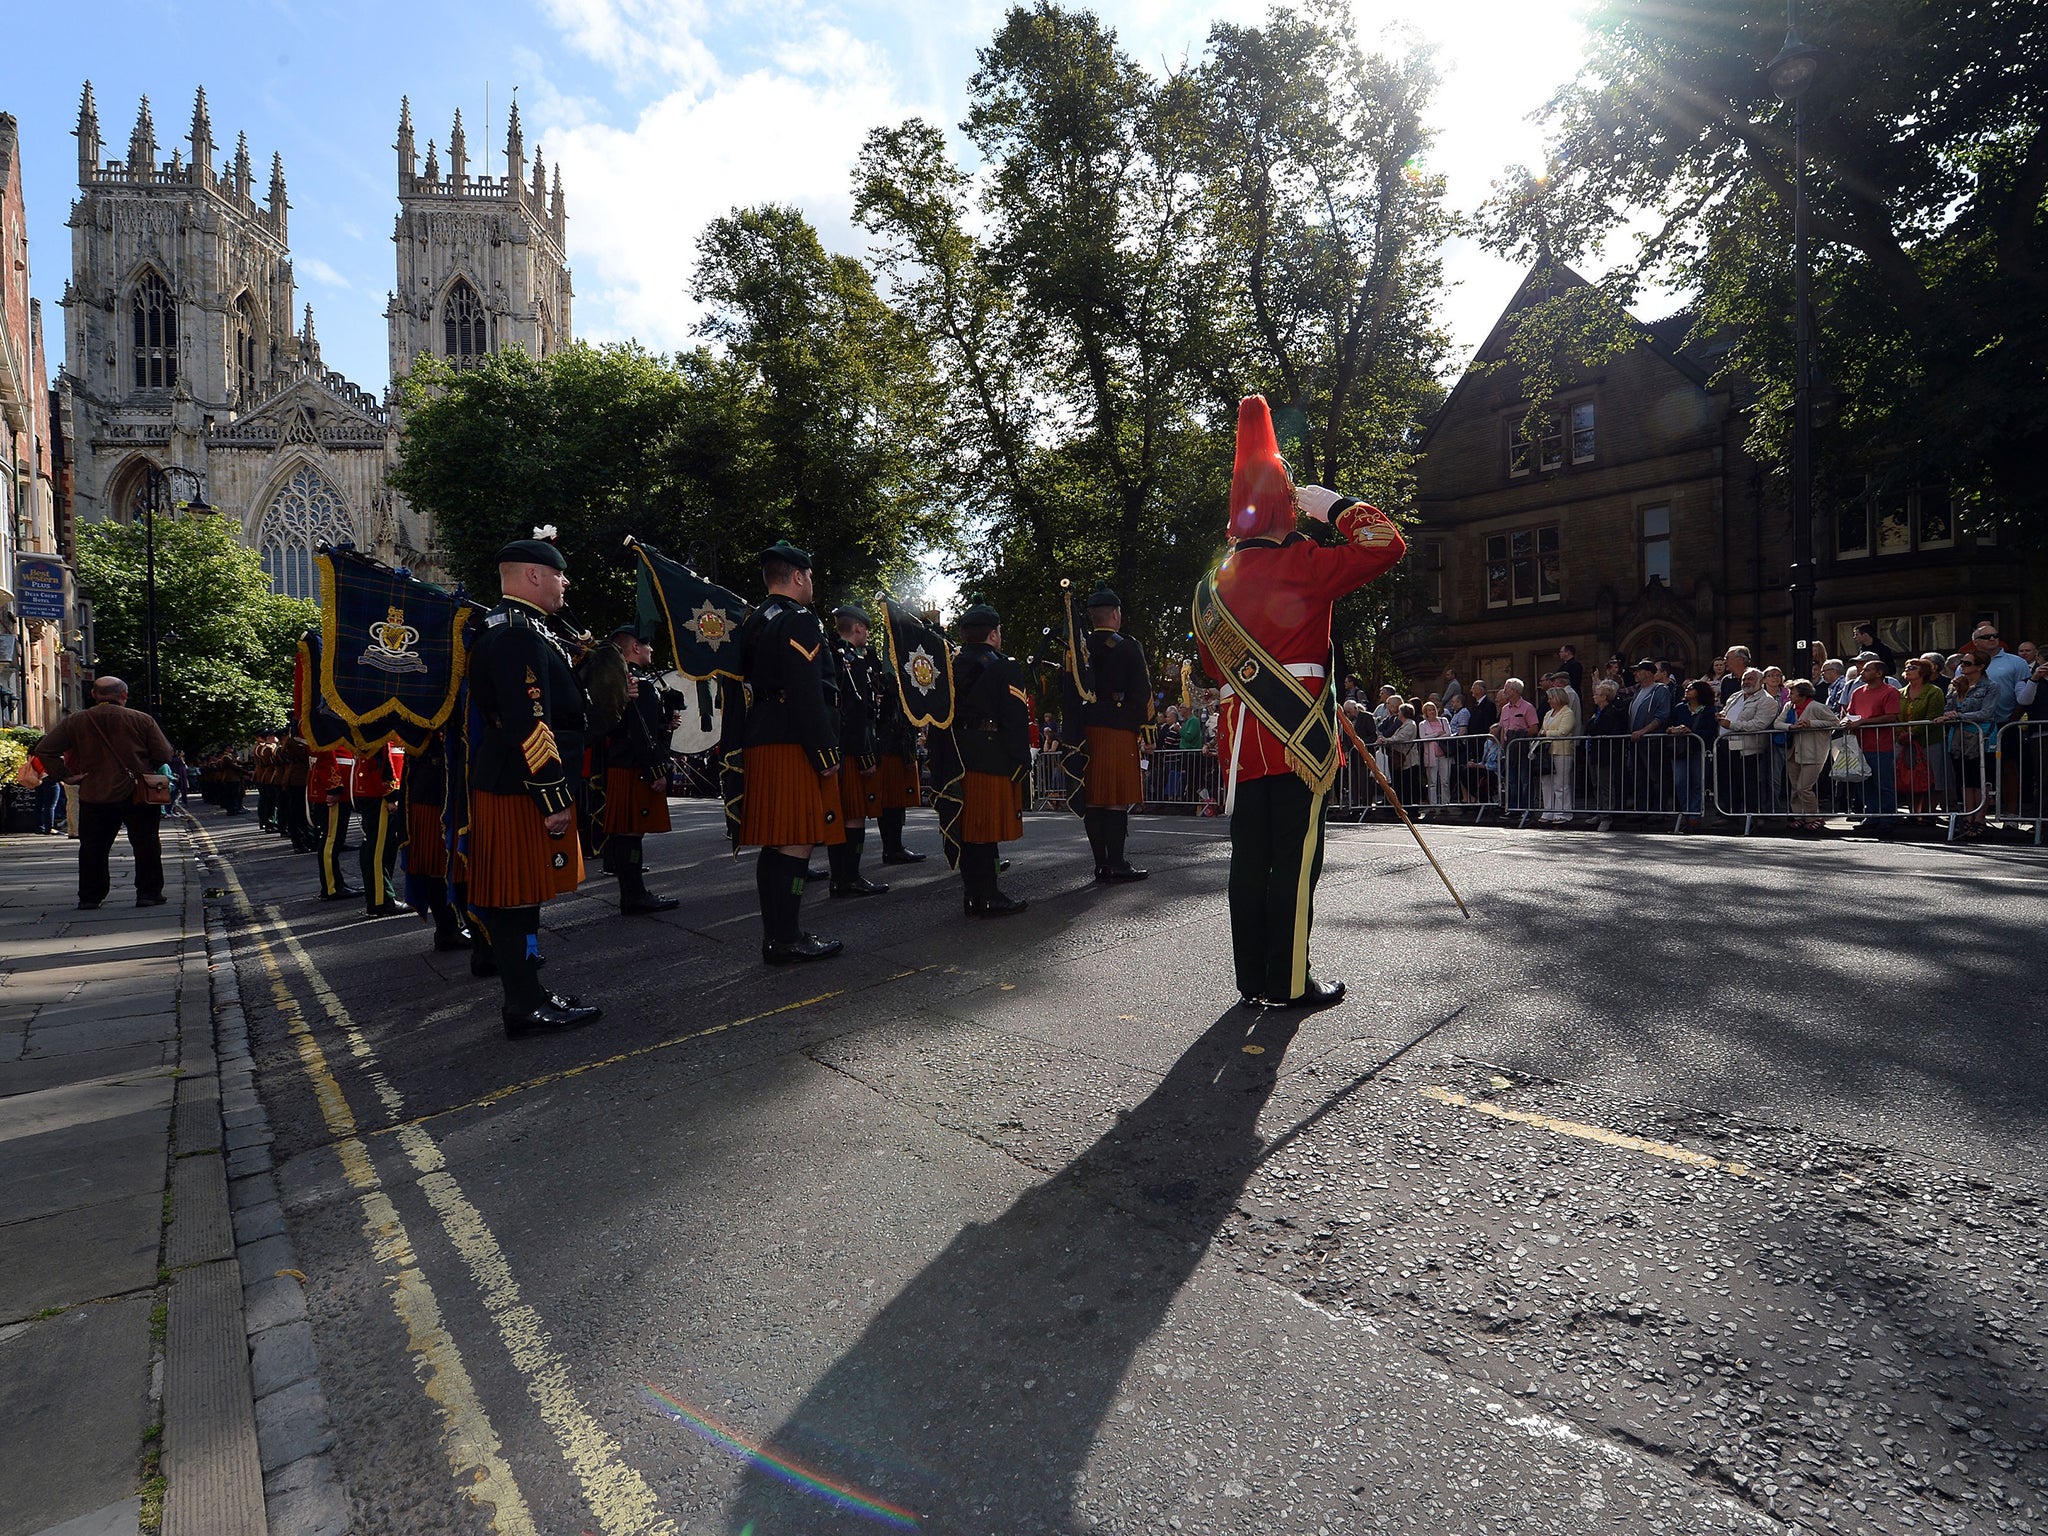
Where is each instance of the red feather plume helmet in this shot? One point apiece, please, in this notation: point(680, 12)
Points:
point(1261, 492)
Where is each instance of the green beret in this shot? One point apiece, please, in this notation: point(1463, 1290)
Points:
point(981, 616)
point(853, 611)
point(532, 552)
point(1104, 598)
point(788, 554)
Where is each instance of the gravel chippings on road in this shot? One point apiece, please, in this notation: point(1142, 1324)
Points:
point(1846, 1339)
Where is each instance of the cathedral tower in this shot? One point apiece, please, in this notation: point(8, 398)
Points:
point(482, 261)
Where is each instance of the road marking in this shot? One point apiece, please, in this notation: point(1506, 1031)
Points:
point(475, 1454)
point(1601, 1134)
point(616, 1494)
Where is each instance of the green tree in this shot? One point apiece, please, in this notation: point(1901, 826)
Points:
point(1330, 231)
point(1930, 231)
point(225, 642)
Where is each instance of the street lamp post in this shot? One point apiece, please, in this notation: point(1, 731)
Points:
point(1791, 74)
point(159, 490)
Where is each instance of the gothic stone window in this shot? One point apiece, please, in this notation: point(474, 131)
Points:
point(155, 315)
point(465, 329)
point(242, 366)
point(306, 513)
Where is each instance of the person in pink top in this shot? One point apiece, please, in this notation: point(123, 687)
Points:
point(1874, 709)
point(1518, 719)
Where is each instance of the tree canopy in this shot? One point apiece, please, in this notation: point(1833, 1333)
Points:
point(1928, 167)
point(225, 642)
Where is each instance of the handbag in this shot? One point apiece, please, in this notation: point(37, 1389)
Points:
point(153, 789)
point(28, 775)
point(1846, 760)
point(1540, 756)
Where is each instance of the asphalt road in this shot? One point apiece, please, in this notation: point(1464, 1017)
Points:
point(1693, 1185)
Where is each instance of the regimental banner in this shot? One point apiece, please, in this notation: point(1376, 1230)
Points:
point(920, 664)
point(392, 651)
point(701, 619)
point(39, 587)
point(313, 720)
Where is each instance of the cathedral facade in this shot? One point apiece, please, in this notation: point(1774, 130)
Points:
point(184, 345)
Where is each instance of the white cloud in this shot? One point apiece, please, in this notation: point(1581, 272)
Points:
point(320, 272)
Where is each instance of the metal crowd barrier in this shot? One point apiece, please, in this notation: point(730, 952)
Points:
point(1932, 772)
point(2022, 774)
point(1657, 777)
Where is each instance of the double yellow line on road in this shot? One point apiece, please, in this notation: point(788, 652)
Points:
point(615, 1493)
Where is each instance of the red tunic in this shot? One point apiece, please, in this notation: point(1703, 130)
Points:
point(1282, 594)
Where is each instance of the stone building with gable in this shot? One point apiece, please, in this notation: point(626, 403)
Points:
point(1638, 525)
point(184, 345)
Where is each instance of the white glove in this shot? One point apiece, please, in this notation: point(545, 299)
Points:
point(1316, 501)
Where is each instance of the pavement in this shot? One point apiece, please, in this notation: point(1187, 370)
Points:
point(1693, 1185)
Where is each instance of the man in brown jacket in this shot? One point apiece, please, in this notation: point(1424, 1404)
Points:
point(110, 747)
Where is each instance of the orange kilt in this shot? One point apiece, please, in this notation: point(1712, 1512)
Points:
point(994, 810)
point(1114, 777)
point(426, 852)
point(789, 804)
point(512, 860)
point(632, 805)
point(856, 794)
point(897, 786)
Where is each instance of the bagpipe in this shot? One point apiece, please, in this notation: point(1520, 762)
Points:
point(701, 622)
point(1077, 692)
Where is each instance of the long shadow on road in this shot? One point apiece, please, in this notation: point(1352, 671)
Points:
point(978, 1392)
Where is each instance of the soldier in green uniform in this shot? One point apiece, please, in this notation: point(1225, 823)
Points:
point(633, 764)
point(857, 680)
point(784, 740)
point(523, 770)
point(1111, 725)
point(991, 735)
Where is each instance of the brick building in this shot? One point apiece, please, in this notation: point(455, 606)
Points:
point(1638, 525)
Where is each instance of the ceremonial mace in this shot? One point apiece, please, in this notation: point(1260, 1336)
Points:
point(1400, 810)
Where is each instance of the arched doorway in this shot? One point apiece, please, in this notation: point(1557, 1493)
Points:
point(1660, 642)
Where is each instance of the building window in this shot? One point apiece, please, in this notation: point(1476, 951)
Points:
point(464, 327)
point(1429, 574)
point(155, 316)
point(1934, 522)
point(1582, 432)
point(1897, 523)
point(306, 513)
point(1906, 634)
point(1938, 632)
point(1656, 542)
point(1524, 566)
point(243, 369)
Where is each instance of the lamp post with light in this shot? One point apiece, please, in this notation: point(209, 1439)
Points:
point(158, 491)
point(1791, 75)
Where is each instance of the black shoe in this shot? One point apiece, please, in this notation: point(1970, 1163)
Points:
point(1119, 874)
point(389, 909)
point(805, 946)
point(547, 1019)
point(340, 893)
point(449, 942)
point(556, 1000)
point(88, 906)
point(1250, 1000)
point(997, 905)
point(150, 901)
point(903, 856)
point(1317, 994)
point(635, 904)
point(860, 886)
point(816, 876)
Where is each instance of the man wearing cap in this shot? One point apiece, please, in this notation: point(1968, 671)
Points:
point(1262, 624)
point(788, 747)
point(855, 680)
point(1649, 714)
point(992, 736)
point(633, 759)
point(1110, 724)
point(523, 767)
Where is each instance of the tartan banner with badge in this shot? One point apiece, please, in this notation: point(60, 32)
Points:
point(392, 650)
point(920, 666)
point(701, 619)
point(313, 720)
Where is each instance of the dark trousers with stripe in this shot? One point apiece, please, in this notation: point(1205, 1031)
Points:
point(1276, 857)
point(333, 833)
point(377, 853)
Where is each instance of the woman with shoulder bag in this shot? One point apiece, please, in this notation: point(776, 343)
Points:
point(1560, 725)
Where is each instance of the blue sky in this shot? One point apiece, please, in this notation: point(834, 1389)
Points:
point(661, 113)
